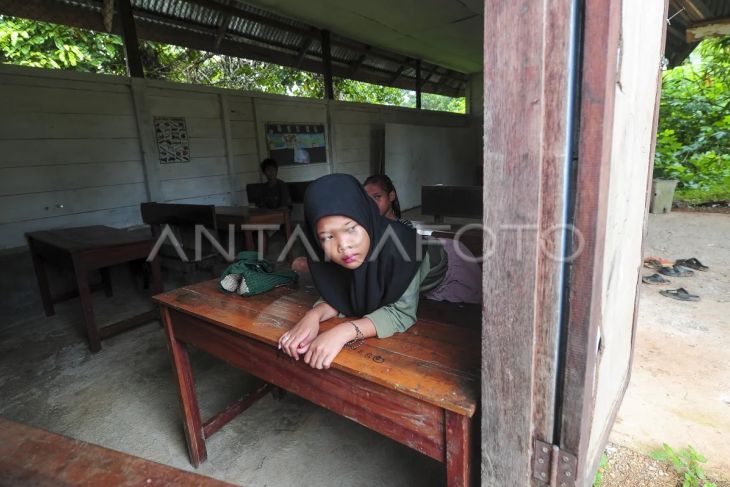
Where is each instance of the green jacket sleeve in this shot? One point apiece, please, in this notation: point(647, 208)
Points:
point(400, 315)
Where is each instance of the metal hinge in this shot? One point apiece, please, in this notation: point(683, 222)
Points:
point(553, 466)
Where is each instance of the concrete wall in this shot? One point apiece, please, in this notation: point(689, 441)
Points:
point(78, 149)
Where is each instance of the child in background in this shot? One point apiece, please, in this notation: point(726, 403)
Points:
point(275, 194)
point(371, 268)
point(381, 189)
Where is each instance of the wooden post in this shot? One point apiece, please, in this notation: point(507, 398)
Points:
point(418, 84)
point(146, 133)
point(129, 34)
point(329, 92)
point(228, 140)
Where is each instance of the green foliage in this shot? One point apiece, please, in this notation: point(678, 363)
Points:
point(686, 462)
point(693, 138)
point(602, 466)
point(44, 45)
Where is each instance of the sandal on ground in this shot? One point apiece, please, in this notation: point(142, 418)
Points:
point(676, 271)
point(680, 294)
point(654, 279)
point(692, 263)
point(656, 262)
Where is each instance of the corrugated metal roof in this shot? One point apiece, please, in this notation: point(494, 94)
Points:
point(682, 14)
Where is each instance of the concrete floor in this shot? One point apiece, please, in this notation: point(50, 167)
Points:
point(680, 386)
point(124, 398)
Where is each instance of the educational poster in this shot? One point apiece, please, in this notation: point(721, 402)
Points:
point(172, 140)
point(296, 143)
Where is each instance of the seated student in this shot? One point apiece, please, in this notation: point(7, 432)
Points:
point(275, 193)
point(381, 189)
point(371, 268)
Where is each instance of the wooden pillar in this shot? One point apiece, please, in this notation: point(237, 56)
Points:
point(329, 92)
point(129, 34)
point(418, 84)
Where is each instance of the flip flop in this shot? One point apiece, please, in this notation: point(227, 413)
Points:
point(656, 262)
point(676, 271)
point(654, 279)
point(692, 263)
point(680, 294)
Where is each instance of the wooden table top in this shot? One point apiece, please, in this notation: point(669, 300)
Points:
point(437, 360)
point(31, 456)
point(244, 211)
point(85, 238)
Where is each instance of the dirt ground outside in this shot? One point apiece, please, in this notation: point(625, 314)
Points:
point(680, 384)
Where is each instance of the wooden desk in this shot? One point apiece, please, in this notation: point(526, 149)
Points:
point(85, 249)
point(419, 388)
point(244, 215)
point(31, 456)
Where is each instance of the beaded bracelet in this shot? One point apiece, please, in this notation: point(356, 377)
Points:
point(359, 337)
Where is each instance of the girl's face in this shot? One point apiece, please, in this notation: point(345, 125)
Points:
point(382, 199)
point(344, 241)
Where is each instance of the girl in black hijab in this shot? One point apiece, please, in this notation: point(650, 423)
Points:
point(364, 265)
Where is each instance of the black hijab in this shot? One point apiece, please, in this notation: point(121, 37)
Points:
point(378, 281)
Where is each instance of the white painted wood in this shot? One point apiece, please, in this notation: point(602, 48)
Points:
point(221, 199)
point(204, 128)
point(184, 106)
point(58, 203)
point(226, 117)
point(246, 163)
point(175, 189)
point(208, 147)
point(637, 82)
point(244, 147)
point(32, 99)
point(240, 108)
point(66, 126)
point(47, 152)
point(242, 129)
point(197, 167)
point(421, 155)
point(147, 143)
point(38, 179)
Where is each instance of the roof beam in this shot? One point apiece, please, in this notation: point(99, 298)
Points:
point(329, 90)
point(129, 34)
point(356, 65)
point(222, 28)
point(303, 51)
point(697, 8)
point(711, 28)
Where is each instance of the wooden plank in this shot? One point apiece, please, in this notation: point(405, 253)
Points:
point(41, 99)
point(129, 35)
point(37, 179)
point(214, 424)
point(358, 142)
point(208, 147)
point(66, 126)
point(245, 146)
point(31, 456)
point(248, 163)
point(58, 203)
point(172, 104)
point(13, 76)
point(220, 199)
point(458, 450)
point(197, 167)
point(230, 166)
point(329, 92)
point(204, 128)
point(147, 143)
point(242, 129)
point(241, 108)
point(37, 152)
point(189, 188)
point(524, 148)
point(265, 317)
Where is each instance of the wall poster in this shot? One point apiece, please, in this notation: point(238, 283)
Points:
point(296, 143)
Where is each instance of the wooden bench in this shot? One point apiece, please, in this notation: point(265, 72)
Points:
point(419, 387)
point(31, 456)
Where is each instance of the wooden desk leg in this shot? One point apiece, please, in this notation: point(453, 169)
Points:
point(157, 286)
point(186, 389)
point(458, 450)
point(287, 233)
point(82, 281)
point(106, 279)
point(42, 277)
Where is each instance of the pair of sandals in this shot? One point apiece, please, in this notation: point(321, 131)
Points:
point(680, 268)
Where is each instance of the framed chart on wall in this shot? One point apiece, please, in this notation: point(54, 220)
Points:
point(296, 143)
